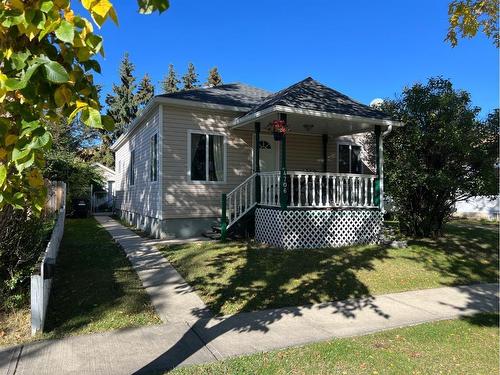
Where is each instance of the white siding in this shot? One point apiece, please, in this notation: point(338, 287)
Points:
point(143, 196)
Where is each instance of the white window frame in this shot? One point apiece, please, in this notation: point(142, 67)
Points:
point(205, 133)
point(350, 144)
point(151, 158)
point(131, 167)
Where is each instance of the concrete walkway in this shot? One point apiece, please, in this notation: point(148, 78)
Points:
point(173, 299)
point(158, 348)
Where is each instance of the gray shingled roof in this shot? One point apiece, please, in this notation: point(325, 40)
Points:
point(312, 95)
point(231, 94)
point(307, 94)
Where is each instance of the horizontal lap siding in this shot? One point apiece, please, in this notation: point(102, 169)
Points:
point(304, 153)
point(143, 196)
point(181, 197)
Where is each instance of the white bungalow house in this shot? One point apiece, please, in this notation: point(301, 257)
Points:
point(204, 157)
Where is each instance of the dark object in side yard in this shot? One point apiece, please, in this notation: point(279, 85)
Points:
point(80, 208)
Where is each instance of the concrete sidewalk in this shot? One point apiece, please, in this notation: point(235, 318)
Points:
point(158, 348)
point(173, 299)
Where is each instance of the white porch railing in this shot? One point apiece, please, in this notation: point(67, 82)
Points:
point(312, 189)
point(305, 189)
point(240, 200)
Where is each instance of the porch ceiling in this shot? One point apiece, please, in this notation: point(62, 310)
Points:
point(299, 121)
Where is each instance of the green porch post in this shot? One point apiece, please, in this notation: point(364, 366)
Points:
point(223, 219)
point(376, 199)
point(283, 184)
point(257, 162)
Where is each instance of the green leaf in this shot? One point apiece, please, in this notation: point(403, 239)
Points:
point(41, 141)
point(19, 154)
point(65, 32)
point(46, 6)
point(91, 117)
point(3, 174)
point(26, 162)
point(108, 122)
point(19, 59)
point(56, 72)
point(19, 84)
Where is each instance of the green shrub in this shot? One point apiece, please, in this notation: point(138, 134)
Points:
point(22, 239)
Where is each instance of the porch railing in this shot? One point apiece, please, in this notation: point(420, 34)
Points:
point(305, 189)
point(312, 189)
point(240, 200)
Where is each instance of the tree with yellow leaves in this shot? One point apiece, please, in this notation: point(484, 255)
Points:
point(47, 61)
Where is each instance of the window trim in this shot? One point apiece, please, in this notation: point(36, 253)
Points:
point(350, 144)
point(131, 166)
point(188, 162)
point(151, 159)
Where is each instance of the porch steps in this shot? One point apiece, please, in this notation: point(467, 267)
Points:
point(214, 234)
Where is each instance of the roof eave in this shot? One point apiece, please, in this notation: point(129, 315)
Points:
point(241, 121)
point(178, 102)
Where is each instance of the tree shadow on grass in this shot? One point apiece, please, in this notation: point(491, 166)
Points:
point(264, 278)
point(483, 319)
point(269, 280)
point(465, 255)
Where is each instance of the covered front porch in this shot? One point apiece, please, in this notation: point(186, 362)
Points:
point(334, 200)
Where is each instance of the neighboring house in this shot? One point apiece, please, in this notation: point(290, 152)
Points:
point(205, 157)
point(104, 197)
point(478, 207)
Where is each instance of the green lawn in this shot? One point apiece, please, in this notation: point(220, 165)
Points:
point(233, 277)
point(468, 346)
point(95, 288)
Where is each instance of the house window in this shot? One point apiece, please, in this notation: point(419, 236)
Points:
point(349, 158)
point(131, 170)
point(153, 158)
point(208, 155)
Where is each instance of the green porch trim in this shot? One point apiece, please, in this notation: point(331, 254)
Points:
point(223, 219)
point(376, 198)
point(283, 183)
point(257, 162)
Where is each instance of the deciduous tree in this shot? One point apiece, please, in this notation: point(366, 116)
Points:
point(442, 155)
point(47, 61)
point(468, 17)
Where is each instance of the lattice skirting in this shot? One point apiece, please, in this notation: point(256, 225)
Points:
point(312, 229)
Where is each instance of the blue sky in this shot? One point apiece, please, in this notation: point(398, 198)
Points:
point(365, 49)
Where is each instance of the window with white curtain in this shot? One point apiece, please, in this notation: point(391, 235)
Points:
point(153, 158)
point(207, 157)
point(349, 159)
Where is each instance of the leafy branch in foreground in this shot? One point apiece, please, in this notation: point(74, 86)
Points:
point(467, 17)
point(47, 62)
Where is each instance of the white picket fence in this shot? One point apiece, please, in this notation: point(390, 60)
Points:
point(41, 278)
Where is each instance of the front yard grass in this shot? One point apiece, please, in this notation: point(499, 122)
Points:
point(95, 288)
point(234, 277)
point(466, 346)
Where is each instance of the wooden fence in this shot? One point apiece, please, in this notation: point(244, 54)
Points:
point(41, 278)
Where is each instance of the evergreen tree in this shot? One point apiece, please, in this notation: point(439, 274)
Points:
point(122, 104)
point(190, 79)
point(214, 78)
point(145, 92)
point(170, 82)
